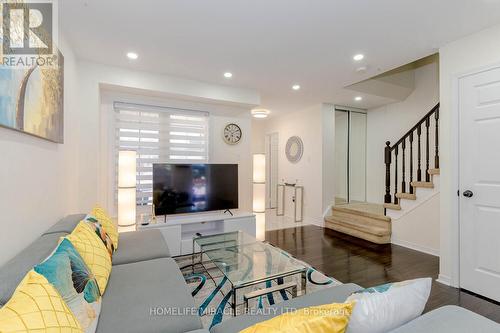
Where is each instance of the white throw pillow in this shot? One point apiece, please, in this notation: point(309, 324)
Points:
point(386, 307)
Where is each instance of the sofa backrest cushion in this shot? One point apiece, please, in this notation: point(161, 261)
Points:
point(14, 271)
point(66, 225)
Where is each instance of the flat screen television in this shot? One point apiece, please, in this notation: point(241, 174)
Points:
point(192, 188)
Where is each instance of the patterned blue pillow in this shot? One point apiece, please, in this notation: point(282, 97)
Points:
point(101, 233)
point(67, 272)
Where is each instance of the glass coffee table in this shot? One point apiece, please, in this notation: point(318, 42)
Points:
point(245, 262)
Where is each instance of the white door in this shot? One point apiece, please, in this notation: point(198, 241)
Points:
point(479, 108)
point(272, 150)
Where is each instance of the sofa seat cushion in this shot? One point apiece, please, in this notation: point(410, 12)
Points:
point(14, 270)
point(449, 319)
point(66, 225)
point(148, 296)
point(141, 245)
point(335, 294)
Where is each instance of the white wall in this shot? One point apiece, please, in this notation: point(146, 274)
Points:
point(309, 125)
point(240, 154)
point(37, 177)
point(42, 181)
point(418, 228)
point(469, 54)
point(95, 77)
point(391, 122)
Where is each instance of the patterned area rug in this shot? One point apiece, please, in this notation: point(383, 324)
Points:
point(212, 291)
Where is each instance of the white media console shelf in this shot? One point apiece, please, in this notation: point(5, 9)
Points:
point(180, 230)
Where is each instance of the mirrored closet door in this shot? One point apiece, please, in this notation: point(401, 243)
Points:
point(350, 156)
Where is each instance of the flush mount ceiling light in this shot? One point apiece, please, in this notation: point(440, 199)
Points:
point(358, 98)
point(228, 75)
point(296, 87)
point(358, 57)
point(260, 113)
point(132, 55)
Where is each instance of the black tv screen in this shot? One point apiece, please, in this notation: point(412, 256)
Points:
point(191, 188)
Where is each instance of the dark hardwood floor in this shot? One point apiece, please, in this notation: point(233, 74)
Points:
point(349, 259)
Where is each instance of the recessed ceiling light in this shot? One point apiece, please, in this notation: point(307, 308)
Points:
point(358, 57)
point(296, 87)
point(358, 98)
point(132, 55)
point(228, 75)
point(260, 113)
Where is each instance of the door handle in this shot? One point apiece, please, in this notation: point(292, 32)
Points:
point(468, 194)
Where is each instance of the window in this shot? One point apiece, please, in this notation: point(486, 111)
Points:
point(159, 135)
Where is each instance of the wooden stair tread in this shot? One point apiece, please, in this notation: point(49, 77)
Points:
point(392, 206)
point(370, 229)
point(361, 213)
point(407, 196)
point(434, 171)
point(423, 184)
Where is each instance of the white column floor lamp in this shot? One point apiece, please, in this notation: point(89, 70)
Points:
point(259, 183)
point(127, 186)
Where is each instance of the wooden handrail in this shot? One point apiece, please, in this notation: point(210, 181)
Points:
point(414, 128)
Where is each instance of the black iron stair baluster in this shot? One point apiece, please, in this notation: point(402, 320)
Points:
point(427, 125)
point(396, 200)
point(388, 155)
point(411, 161)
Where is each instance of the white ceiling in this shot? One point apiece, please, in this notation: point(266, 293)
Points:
point(271, 44)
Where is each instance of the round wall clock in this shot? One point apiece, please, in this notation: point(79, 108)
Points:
point(232, 134)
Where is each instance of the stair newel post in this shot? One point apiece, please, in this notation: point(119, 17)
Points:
point(396, 151)
point(411, 161)
point(436, 141)
point(427, 125)
point(388, 155)
point(403, 173)
point(419, 153)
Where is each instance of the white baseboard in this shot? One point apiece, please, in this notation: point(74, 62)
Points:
point(443, 279)
point(318, 222)
point(416, 247)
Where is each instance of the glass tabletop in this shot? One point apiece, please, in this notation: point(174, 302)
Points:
point(251, 263)
point(224, 240)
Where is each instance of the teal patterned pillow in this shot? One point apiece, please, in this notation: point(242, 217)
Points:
point(378, 289)
point(101, 233)
point(67, 272)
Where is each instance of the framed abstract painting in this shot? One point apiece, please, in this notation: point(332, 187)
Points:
point(32, 99)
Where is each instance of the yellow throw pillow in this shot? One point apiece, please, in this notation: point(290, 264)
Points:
point(94, 253)
point(329, 318)
point(36, 306)
point(108, 225)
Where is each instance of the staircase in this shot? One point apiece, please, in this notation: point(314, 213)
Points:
point(366, 221)
point(408, 168)
point(424, 178)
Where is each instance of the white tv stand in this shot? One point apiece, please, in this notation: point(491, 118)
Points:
point(179, 230)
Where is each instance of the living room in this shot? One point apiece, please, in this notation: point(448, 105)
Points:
point(223, 166)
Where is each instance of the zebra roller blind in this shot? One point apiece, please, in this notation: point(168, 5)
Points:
point(159, 135)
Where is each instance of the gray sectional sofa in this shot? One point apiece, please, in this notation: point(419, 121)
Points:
point(144, 278)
